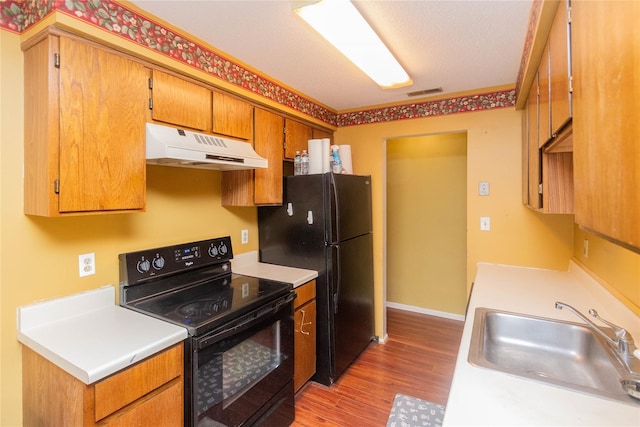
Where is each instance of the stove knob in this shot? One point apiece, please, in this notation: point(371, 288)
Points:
point(223, 249)
point(143, 265)
point(158, 263)
point(213, 251)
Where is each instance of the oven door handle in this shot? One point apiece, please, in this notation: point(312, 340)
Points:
point(246, 321)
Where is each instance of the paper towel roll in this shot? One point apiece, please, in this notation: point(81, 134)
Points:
point(345, 158)
point(326, 151)
point(315, 156)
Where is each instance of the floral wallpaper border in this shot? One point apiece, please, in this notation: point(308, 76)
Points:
point(112, 16)
point(461, 104)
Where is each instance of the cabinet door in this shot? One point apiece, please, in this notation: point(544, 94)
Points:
point(305, 344)
point(321, 134)
point(297, 136)
point(606, 132)
point(268, 182)
point(232, 116)
point(259, 186)
point(544, 106)
point(559, 65)
point(103, 99)
point(162, 410)
point(533, 153)
point(180, 102)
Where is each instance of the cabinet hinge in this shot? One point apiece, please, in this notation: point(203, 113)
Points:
point(56, 186)
point(56, 60)
point(150, 83)
point(284, 138)
point(570, 84)
point(150, 103)
point(539, 188)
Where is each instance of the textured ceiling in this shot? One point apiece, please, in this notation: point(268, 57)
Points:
point(457, 45)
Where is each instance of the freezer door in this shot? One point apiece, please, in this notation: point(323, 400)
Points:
point(349, 200)
point(293, 234)
point(352, 302)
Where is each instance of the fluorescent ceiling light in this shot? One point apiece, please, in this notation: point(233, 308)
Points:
point(341, 24)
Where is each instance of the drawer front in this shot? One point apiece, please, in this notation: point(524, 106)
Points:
point(304, 293)
point(166, 409)
point(125, 387)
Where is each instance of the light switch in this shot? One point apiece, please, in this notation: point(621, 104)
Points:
point(485, 223)
point(483, 188)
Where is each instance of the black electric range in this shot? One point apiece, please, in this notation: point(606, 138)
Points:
point(239, 355)
point(192, 285)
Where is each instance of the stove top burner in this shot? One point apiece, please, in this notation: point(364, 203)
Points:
point(207, 307)
point(192, 285)
point(203, 306)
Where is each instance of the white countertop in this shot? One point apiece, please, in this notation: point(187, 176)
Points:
point(247, 264)
point(90, 337)
point(481, 396)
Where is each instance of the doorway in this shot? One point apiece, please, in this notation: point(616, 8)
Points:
point(426, 224)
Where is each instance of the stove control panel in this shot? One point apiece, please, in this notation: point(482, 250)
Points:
point(140, 266)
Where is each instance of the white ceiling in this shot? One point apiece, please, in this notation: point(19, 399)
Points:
point(458, 45)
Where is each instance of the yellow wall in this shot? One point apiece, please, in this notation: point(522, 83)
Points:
point(427, 207)
point(40, 255)
point(518, 235)
point(617, 268)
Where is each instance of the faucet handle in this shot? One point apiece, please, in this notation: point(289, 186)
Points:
point(621, 333)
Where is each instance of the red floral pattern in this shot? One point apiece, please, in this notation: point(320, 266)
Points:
point(111, 16)
point(463, 104)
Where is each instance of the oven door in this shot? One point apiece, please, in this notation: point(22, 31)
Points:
point(242, 373)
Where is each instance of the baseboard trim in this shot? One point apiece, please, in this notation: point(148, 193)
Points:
point(421, 310)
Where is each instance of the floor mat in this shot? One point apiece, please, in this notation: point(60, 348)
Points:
point(408, 411)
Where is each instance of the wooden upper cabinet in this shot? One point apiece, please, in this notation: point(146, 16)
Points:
point(297, 136)
point(180, 102)
point(321, 134)
point(259, 186)
point(268, 182)
point(544, 98)
point(84, 129)
point(559, 64)
point(232, 116)
point(606, 129)
point(532, 149)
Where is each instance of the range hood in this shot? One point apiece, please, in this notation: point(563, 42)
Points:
point(170, 146)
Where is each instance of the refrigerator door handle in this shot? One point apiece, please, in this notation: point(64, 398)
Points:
point(336, 273)
point(335, 229)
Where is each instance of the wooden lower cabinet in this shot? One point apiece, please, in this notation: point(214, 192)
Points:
point(305, 334)
point(149, 393)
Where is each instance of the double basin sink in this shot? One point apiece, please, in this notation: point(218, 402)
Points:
point(560, 353)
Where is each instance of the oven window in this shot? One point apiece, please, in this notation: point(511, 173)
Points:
point(236, 377)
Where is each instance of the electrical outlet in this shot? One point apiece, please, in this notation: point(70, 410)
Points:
point(485, 223)
point(245, 237)
point(87, 264)
point(483, 188)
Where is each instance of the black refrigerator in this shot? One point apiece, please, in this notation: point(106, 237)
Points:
point(325, 225)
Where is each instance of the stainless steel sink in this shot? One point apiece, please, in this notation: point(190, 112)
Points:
point(563, 354)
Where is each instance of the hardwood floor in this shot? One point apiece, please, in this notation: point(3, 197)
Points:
point(417, 359)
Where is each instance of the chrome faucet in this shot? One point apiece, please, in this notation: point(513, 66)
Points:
point(623, 342)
